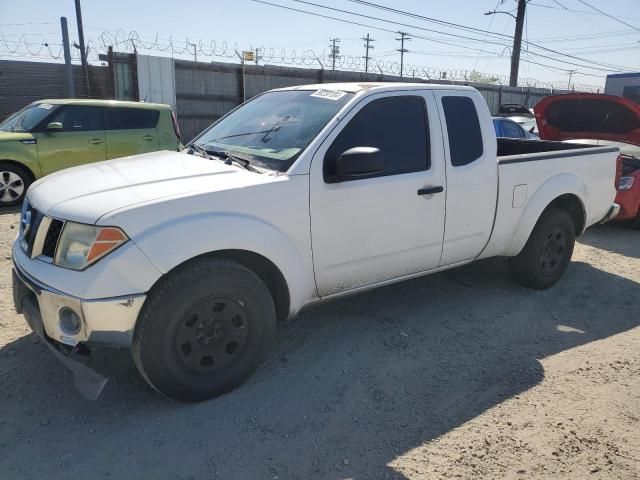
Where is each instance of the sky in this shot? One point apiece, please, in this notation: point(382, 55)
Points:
point(571, 39)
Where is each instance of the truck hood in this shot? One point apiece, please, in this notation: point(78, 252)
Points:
point(86, 193)
point(588, 116)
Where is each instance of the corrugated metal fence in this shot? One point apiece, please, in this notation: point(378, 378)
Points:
point(206, 91)
point(203, 91)
point(24, 82)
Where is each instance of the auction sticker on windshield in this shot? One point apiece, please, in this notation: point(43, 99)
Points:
point(46, 106)
point(328, 94)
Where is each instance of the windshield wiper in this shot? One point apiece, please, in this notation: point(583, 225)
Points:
point(231, 159)
point(202, 151)
point(239, 135)
point(228, 158)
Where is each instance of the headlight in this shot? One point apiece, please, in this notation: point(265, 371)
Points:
point(626, 183)
point(82, 245)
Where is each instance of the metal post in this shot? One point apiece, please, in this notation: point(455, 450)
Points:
point(195, 54)
point(571, 72)
point(83, 50)
point(321, 71)
point(244, 91)
point(68, 68)
point(517, 42)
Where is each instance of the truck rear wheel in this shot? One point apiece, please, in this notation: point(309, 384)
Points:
point(547, 253)
point(204, 329)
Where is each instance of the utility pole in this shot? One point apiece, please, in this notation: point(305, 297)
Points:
point(258, 57)
point(404, 36)
point(68, 69)
point(517, 42)
point(83, 51)
point(335, 50)
point(367, 46)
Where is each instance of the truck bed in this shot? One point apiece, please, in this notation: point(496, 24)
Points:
point(509, 147)
point(530, 172)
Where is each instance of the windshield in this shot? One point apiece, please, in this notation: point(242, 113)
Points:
point(27, 118)
point(274, 128)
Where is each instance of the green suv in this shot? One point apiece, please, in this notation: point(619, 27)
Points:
point(50, 135)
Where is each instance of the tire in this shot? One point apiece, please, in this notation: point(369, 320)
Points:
point(14, 182)
point(204, 329)
point(547, 253)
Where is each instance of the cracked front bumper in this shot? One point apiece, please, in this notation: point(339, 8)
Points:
point(106, 322)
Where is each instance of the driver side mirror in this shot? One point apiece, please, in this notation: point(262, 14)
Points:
point(54, 126)
point(358, 162)
point(532, 129)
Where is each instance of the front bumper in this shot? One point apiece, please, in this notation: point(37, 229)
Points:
point(104, 322)
point(612, 213)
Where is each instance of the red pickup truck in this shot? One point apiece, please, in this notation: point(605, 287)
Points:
point(600, 120)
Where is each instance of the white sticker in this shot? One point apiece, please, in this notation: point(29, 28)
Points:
point(46, 106)
point(328, 94)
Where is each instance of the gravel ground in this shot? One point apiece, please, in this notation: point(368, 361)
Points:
point(461, 374)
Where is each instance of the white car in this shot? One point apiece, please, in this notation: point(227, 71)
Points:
point(300, 195)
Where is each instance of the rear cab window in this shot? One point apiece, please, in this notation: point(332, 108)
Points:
point(463, 128)
point(395, 125)
point(131, 118)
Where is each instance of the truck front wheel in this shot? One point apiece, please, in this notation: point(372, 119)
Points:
point(204, 329)
point(547, 253)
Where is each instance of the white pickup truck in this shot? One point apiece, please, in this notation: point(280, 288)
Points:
point(300, 195)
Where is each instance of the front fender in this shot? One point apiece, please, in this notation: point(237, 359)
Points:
point(25, 154)
point(554, 187)
point(171, 243)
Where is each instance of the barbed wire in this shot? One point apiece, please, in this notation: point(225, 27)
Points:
point(129, 42)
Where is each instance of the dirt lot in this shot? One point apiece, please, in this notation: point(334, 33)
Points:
point(457, 375)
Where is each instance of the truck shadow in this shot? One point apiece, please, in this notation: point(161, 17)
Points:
point(351, 385)
point(617, 239)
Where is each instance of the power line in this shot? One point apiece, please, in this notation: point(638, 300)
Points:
point(424, 18)
point(586, 36)
point(579, 14)
point(609, 67)
point(573, 10)
point(485, 35)
point(607, 15)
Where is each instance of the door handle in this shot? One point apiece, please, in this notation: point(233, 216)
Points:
point(430, 190)
point(148, 137)
point(96, 141)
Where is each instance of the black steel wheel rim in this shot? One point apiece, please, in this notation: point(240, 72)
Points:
point(553, 251)
point(211, 335)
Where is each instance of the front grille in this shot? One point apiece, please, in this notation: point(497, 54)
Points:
point(38, 234)
point(29, 222)
point(51, 239)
